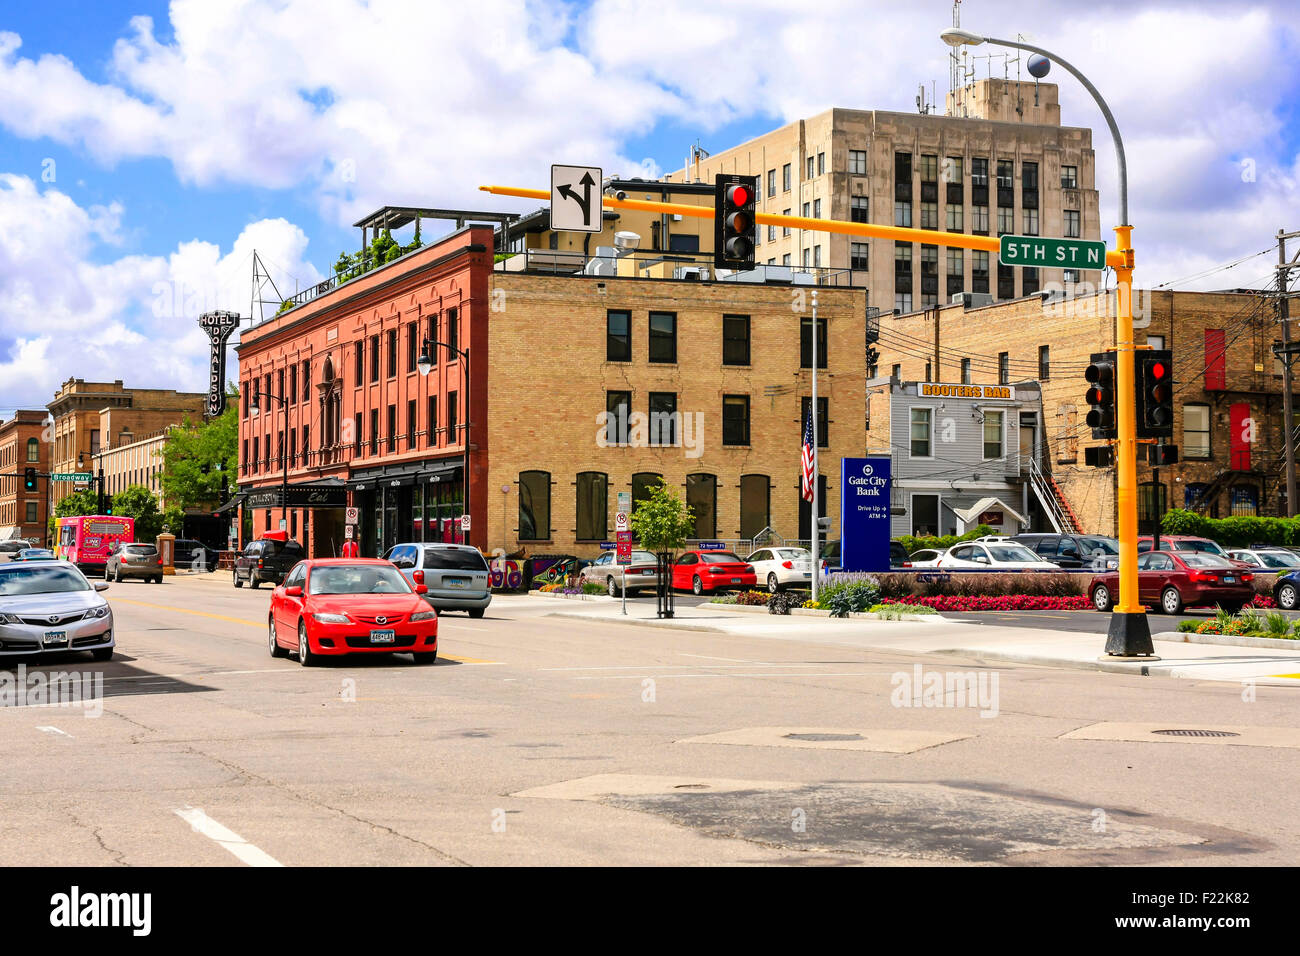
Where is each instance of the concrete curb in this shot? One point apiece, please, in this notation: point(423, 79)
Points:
point(1230, 640)
point(818, 612)
point(672, 623)
point(555, 595)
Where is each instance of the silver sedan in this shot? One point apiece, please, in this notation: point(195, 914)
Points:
point(49, 607)
point(606, 571)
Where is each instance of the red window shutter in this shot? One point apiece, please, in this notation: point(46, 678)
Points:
point(1215, 351)
point(1240, 427)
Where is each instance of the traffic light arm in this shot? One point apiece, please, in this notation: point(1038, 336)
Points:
point(956, 240)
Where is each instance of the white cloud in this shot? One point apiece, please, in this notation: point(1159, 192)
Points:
point(67, 306)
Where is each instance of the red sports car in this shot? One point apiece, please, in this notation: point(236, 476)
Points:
point(1173, 580)
point(336, 606)
point(704, 571)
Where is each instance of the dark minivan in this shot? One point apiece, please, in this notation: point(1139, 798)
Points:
point(266, 559)
point(1093, 551)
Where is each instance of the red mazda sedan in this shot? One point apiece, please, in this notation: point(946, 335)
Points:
point(704, 571)
point(335, 606)
point(1172, 580)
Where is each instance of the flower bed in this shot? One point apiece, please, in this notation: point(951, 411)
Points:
point(1245, 624)
point(1004, 602)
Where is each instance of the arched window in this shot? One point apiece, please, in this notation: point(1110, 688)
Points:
point(33, 450)
point(534, 505)
point(702, 499)
point(755, 504)
point(592, 505)
point(643, 484)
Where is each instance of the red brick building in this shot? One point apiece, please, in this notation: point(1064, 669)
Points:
point(351, 422)
point(23, 445)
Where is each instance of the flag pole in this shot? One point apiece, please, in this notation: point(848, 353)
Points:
point(812, 411)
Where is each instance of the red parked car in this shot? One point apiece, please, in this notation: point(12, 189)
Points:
point(1189, 542)
point(334, 606)
point(705, 571)
point(1172, 580)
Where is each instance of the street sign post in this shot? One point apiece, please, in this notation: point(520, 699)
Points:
point(576, 204)
point(1052, 253)
point(623, 556)
point(464, 523)
point(620, 522)
point(71, 476)
point(352, 516)
point(625, 497)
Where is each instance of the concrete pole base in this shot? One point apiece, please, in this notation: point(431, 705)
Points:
point(1129, 636)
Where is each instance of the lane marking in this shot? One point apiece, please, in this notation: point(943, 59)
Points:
point(710, 657)
point(201, 823)
point(54, 730)
point(642, 676)
point(633, 667)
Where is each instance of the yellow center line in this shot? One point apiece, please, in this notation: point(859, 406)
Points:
point(260, 624)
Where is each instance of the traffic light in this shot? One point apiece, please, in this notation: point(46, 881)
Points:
point(108, 504)
point(734, 231)
point(1162, 454)
point(1155, 393)
point(1099, 456)
point(29, 479)
point(1101, 395)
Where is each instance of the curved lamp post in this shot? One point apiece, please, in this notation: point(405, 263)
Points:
point(425, 364)
point(254, 410)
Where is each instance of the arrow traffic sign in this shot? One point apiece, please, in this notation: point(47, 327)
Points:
point(1052, 253)
point(575, 198)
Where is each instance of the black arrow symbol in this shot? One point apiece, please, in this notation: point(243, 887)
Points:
point(585, 202)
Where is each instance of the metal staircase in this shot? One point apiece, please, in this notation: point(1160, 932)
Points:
point(1050, 496)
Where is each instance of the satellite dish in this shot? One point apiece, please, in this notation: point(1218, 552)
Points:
point(626, 241)
point(1039, 65)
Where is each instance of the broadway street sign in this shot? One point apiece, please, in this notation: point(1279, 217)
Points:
point(1052, 253)
point(71, 476)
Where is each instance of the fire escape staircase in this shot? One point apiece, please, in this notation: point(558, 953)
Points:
point(1053, 500)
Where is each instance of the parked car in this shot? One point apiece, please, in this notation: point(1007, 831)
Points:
point(640, 575)
point(1267, 559)
point(49, 606)
point(1073, 550)
point(1172, 580)
point(898, 556)
point(456, 576)
point(14, 545)
point(778, 568)
point(1187, 542)
point(133, 560)
point(707, 571)
point(994, 555)
point(1286, 590)
point(927, 557)
point(334, 606)
point(266, 559)
point(34, 554)
point(831, 560)
point(194, 555)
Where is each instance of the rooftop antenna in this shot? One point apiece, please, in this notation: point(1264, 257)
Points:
point(698, 152)
point(957, 100)
point(257, 300)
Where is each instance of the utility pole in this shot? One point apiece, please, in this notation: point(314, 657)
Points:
point(1288, 417)
point(816, 485)
point(938, 376)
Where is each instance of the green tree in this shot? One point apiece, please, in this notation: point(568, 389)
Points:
point(664, 521)
point(138, 502)
point(195, 457)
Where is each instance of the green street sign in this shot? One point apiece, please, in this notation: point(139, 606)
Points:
point(1052, 253)
point(71, 476)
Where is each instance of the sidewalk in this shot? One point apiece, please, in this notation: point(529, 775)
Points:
point(1023, 645)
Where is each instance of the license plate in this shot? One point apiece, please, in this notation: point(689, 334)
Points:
point(382, 637)
point(735, 580)
point(1229, 579)
point(55, 638)
point(647, 571)
point(456, 582)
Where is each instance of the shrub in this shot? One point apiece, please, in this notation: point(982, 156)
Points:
point(1237, 531)
point(914, 544)
point(893, 611)
point(862, 590)
point(1185, 626)
point(895, 586)
point(752, 598)
point(591, 587)
point(782, 601)
point(723, 599)
point(840, 604)
point(1276, 624)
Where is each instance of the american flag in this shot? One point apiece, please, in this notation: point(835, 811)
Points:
point(806, 459)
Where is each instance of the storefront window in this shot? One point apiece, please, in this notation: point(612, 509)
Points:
point(534, 506)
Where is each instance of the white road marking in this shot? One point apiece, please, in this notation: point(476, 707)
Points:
point(642, 676)
point(643, 667)
point(710, 657)
point(54, 730)
point(200, 822)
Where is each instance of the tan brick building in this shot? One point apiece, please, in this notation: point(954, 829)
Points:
point(23, 446)
point(1228, 418)
point(90, 416)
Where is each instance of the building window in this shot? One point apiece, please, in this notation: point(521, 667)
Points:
point(807, 210)
point(771, 233)
point(817, 208)
point(534, 506)
point(663, 337)
point(663, 418)
point(1069, 177)
point(902, 302)
point(810, 164)
point(1006, 220)
point(618, 336)
point(1031, 222)
point(33, 450)
point(956, 270)
point(412, 346)
point(1156, 341)
point(902, 214)
point(453, 416)
point(785, 177)
point(1044, 362)
point(1070, 275)
point(374, 358)
point(979, 220)
point(823, 420)
point(592, 505)
point(292, 394)
point(643, 485)
point(979, 171)
point(965, 371)
point(785, 259)
point(755, 504)
point(955, 218)
point(928, 169)
point(392, 353)
point(392, 427)
point(858, 258)
point(1006, 173)
point(859, 209)
point(992, 435)
point(920, 432)
point(374, 431)
point(925, 514)
point(1029, 177)
point(410, 423)
point(806, 345)
point(1072, 224)
point(979, 270)
point(1028, 280)
point(735, 419)
point(1004, 368)
point(430, 423)
point(293, 446)
point(31, 512)
point(1196, 431)
point(821, 163)
point(735, 340)
point(858, 162)
point(702, 499)
point(929, 215)
point(360, 362)
point(357, 438)
point(785, 231)
point(453, 334)
point(618, 408)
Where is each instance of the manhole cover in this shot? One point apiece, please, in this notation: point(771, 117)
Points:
point(823, 738)
point(1196, 733)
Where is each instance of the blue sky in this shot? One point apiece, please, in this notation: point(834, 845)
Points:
point(182, 141)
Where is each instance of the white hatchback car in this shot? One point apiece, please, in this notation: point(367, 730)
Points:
point(779, 568)
point(1009, 556)
point(927, 557)
point(1267, 559)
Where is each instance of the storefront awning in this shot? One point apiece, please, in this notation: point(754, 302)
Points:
point(422, 474)
point(321, 494)
point(231, 505)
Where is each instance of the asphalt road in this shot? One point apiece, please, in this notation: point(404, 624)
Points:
point(539, 739)
point(1086, 621)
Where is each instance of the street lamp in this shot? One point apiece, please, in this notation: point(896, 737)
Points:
point(1129, 634)
point(254, 410)
point(425, 364)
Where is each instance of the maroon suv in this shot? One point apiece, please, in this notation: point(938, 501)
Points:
point(1172, 580)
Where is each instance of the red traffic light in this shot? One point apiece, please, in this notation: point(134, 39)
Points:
point(738, 195)
point(1158, 370)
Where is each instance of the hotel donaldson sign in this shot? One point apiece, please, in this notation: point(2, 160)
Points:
point(1052, 253)
point(219, 326)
